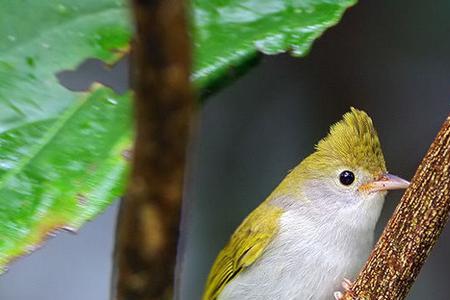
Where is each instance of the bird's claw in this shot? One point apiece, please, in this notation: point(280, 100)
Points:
point(338, 295)
point(347, 286)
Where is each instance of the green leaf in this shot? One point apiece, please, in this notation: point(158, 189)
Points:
point(228, 34)
point(61, 159)
point(62, 153)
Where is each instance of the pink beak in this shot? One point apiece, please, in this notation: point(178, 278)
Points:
point(385, 182)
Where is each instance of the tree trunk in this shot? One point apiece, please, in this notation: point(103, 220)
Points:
point(149, 217)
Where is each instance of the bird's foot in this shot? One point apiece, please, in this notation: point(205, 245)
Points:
point(347, 286)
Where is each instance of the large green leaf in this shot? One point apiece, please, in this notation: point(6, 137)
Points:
point(62, 154)
point(60, 151)
point(229, 33)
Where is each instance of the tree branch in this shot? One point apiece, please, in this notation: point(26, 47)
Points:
point(149, 217)
point(413, 229)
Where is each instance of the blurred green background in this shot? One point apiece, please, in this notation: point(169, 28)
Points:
point(390, 58)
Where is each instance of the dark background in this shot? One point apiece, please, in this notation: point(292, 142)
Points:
point(390, 58)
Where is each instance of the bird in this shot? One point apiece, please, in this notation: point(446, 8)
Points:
point(316, 229)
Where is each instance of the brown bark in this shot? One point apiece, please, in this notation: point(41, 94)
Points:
point(413, 229)
point(149, 217)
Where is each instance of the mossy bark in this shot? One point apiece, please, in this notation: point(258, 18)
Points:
point(412, 231)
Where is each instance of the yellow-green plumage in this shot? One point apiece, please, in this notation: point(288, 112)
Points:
point(245, 246)
point(352, 142)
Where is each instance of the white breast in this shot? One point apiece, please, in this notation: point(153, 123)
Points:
point(310, 256)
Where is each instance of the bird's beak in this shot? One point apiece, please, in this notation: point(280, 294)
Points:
point(385, 182)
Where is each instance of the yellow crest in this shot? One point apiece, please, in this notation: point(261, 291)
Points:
point(354, 142)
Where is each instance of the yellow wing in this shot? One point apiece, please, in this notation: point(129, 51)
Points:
point(245, 246)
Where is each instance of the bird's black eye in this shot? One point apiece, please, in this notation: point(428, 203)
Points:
point(347, 177)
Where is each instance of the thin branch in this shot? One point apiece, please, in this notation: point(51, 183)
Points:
point(149, 218)
point(413, 229)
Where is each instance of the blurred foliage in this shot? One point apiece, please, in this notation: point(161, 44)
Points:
point(63, 154)
point(229, 34)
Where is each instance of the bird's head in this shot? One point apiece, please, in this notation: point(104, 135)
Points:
point(347, 168)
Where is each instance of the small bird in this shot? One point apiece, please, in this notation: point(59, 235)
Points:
point(316, 229)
